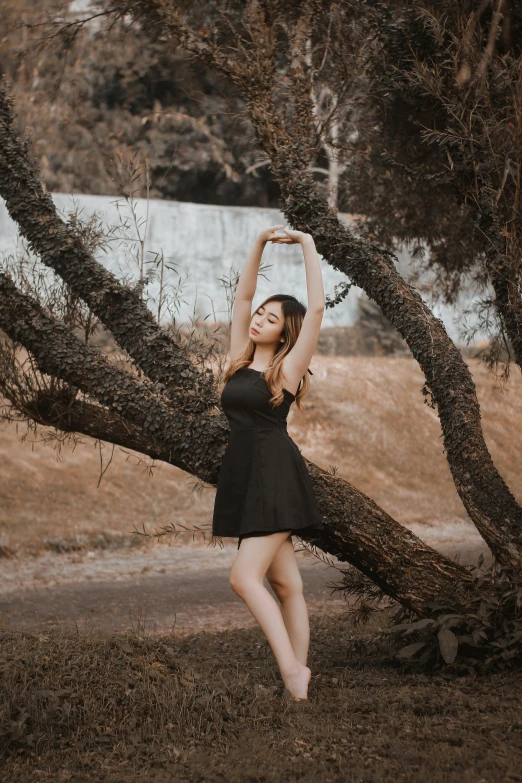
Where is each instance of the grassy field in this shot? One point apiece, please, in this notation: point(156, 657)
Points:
point(132, 708)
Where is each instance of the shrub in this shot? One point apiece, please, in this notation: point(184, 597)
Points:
point(479, 630)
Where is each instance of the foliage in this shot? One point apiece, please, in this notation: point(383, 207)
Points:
point(477, 629)
point(437, 162)
point(416, 112)
point(103, 91)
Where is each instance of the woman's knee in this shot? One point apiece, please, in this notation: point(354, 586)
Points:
point(235, 582)
point(287, 587)
point(240, 581)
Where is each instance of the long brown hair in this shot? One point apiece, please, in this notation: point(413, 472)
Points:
point(294, 313)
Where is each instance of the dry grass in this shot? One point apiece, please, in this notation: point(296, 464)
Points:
point(370, 420)
point(364, 414)
point(135, 708)
point(138, 707)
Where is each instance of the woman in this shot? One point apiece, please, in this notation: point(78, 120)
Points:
point(264, 490)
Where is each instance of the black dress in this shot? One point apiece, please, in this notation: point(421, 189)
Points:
point(263, 485)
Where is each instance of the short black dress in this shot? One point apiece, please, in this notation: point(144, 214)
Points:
point(263, 484)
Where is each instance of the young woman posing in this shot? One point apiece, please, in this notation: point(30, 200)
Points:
point(264, 490)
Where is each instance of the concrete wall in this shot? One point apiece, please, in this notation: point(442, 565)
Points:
point(201, 243)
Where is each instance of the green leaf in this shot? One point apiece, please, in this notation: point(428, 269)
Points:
point(448, 644)
point(409, 651)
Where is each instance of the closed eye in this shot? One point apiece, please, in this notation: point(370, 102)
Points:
point(269, 321)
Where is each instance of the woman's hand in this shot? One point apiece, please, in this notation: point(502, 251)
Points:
point(270, 234)
point(296, 237)
point(282, 235)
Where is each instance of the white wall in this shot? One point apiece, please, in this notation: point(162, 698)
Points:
point(203, 242)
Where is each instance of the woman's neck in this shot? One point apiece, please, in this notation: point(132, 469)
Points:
point(261, 359)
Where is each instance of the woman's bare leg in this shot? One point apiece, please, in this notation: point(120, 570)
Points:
point(285, 579)
point(247, 580)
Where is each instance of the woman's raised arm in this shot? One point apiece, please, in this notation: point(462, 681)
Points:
point(297, 360)
point(245, 292)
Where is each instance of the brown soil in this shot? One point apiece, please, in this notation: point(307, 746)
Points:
point(130, 709)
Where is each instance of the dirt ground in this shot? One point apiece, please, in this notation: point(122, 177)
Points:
point(179, 589)
point(129, 660)
point(209, 707)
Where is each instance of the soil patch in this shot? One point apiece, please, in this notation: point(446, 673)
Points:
point(209, 707)
point(178, 589)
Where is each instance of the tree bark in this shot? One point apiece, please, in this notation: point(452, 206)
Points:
point(86, 418)
point(485, 495)
point(508, 301)
point(358, 531)
point(194, 441)
point(364, 535)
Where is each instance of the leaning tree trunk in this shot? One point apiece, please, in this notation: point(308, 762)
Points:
point(485, 495)
point(507, 285)
point(120, 308)
point(135, 416)
point(189, 436)
point(192, 441)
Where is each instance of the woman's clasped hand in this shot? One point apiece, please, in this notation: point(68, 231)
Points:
point(283, 235)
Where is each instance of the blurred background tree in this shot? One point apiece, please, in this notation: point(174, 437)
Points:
point(99, 89)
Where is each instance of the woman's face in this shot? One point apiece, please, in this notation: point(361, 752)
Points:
point(267, 323)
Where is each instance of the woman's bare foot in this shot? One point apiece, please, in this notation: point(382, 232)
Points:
point(296, 681)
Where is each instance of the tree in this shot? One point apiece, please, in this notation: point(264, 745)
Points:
point(265, 58)
point(103, 92)
point(444, 133)
point(170, 413)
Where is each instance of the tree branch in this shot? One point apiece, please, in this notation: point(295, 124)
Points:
point(119, 308)
point(486, 497)
point(135, 416)
point(96, 422)
point(194, 442)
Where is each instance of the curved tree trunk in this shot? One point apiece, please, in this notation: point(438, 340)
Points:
point(359, 532)
point(485, 495)
point(193, 441)
point(508, 301)
point(136, 417)
point(85, 418)
point(171, 422)
point(120, 309)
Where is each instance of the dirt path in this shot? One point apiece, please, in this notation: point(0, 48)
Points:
point(181, 588)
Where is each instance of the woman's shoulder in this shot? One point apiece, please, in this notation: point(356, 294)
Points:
point(291, 380)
